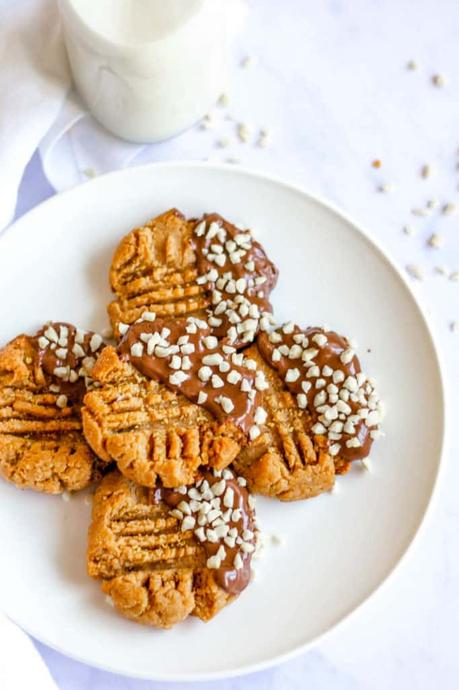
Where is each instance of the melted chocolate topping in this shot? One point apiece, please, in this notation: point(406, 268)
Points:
point(322, 370)
point(235, 268)
point(184, 355)
point(67, 354)
point(241, 522)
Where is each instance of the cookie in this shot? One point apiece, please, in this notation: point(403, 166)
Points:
point(284, 459)
point(170, 399)
point(154, 269)
point(163, 555)
point(42, 383)
point(173, 267)
point(322, 413)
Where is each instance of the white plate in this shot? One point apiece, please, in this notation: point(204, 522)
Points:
point(338, 549)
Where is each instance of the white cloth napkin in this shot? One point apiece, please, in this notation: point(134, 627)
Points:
point(21, 666)
point(38, 109)
point(34, 80)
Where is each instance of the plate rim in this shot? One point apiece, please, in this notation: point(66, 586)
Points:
point(438, 361)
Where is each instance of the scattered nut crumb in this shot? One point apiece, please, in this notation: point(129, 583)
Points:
point(411, 65)
point(408, 230)
point(107, 332)
point(436, 241)
point(448, 209)
point(65, 496)
point(247, 62)
point(426, 171)
point(415, 271)
point(243, 132)
point(365, 463)
point(264, 138)
point(438, 80)
point(224, 142)
point(386, 188)
point(208, 121)
point(454, 326)
point(233, 161)
point(276, 540)
point(454, 276)
point(420, 212)
point(432, 203)
point(109, 601)
point(335, 488)
point(224, 100)
point(89, 172)
point(376, 163)
point(441, 270)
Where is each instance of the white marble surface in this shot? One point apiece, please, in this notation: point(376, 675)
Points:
point(330, 81)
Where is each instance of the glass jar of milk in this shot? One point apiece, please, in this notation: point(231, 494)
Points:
point(147, 69)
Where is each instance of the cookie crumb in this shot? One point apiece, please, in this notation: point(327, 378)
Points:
point(65, 496)
point(411, 65)
point(386, 188)
point(109, 601)
point(454, 276)
point(376, 163)
point(454, 326)
point(408, 230)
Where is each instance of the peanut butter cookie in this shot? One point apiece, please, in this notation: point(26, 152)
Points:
point(42, 383)
point(173, 267)
point(170, 399)
point(321, 413)
point(163, 555)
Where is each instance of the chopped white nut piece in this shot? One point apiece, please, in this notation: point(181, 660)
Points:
point(210, 342)
point(260, 415)
point(95, 342)
point(228, 498)
point(204, 373)
point(213, 562)
point(216, 381)
point(254, 432)
point(188, 522)
point(238, 562)
point(177, 378)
